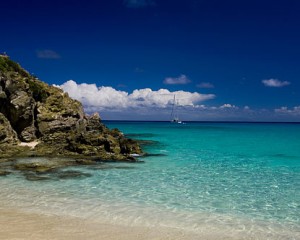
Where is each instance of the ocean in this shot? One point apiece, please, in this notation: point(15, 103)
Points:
point(242, 179)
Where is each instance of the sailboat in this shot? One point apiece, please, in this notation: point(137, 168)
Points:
point(174, 113)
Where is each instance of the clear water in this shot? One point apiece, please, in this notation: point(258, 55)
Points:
point(238, 177)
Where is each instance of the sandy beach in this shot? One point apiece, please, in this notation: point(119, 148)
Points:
point(16, 224)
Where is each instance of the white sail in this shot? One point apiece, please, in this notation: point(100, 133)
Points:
point(174, 113)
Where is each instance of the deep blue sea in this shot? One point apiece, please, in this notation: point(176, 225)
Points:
point(236, 177)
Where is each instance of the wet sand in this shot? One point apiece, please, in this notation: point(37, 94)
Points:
point(16, 224)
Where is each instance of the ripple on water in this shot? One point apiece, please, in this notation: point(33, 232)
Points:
point(212, 179)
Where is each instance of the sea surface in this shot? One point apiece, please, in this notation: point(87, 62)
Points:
point(238, 178)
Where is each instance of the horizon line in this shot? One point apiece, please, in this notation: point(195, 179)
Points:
point(200, 121)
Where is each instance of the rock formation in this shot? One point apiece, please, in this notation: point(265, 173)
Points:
point(31, 111)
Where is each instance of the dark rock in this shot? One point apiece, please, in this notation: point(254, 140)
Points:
point(35, 167)
point(31, 110)
point(85, 161)
point(28, 134)
point(7, 134)
point(129, 146)
point(42, 165)
point(4, 173)
point(35, 177)
point(21, 110)
point(93, 123)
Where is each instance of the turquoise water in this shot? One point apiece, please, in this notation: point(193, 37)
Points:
point(241, 177)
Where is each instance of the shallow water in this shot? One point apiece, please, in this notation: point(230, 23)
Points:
point(235, 177)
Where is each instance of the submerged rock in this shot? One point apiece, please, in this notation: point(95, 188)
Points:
point(4, 173)
point(35, 177)
point(54, 176)
point(33, 111)
point(42, 165)
point(148, 142)
point(69, 174)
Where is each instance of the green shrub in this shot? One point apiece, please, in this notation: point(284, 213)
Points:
point(38, 91)
point(7, 65)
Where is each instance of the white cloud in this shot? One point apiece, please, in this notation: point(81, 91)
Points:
point(275, 83)
point(147, 104)
point(182, 79)
point(201, 107)
point(139, 3)
point(225, 106)
point(228, 106)
point(205, 85)
point(285, 110)
point(99, 98)
point(47, 54)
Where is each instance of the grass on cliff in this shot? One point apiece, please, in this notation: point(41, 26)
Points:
point(7, 65)
point(38, 88)
point(54, 99)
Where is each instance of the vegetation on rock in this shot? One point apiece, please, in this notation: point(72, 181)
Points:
point(33, 111)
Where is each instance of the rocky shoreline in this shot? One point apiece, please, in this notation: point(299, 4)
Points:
point(38, 120)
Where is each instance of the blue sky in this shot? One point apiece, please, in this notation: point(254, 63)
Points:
point(224, 60)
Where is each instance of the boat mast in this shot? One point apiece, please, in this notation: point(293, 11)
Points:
point(173, 109)
point(174, 114)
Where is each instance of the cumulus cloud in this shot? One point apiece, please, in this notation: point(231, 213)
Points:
point(47, 54)
point(275, 83)
point(139, 3)
point(286, 110)
point(205, 85)
point(182, 79)
point(147, 104)
point(99, 98)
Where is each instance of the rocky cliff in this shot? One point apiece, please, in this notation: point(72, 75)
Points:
point(41, 120)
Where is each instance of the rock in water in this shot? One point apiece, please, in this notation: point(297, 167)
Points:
point(31, 110)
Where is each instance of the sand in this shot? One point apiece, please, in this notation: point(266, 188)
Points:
point(30, 144)
point(15, 224)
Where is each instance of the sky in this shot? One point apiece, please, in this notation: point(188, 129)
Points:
point(227, 60)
